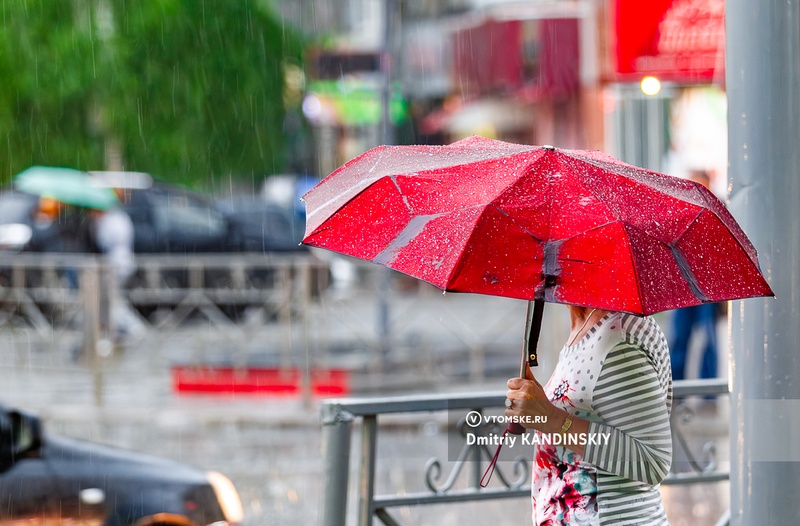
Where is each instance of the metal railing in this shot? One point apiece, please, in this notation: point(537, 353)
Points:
point(297, 304)
point(47, 291)
point(339, 416)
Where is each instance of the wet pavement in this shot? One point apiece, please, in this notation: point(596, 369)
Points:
point(270, 446)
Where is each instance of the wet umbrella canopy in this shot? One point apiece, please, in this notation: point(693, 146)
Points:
point(66, 185)
point(563, 226)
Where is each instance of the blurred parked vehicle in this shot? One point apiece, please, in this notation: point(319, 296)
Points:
point(254, 225)
point(16, 220)
point(29, 223)
point(50, 479)
point(168, 219)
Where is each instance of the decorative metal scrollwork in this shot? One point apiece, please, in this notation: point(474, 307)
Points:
point(684, 414)
point(470, 454)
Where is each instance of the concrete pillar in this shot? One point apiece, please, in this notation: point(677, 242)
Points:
point(763, 86)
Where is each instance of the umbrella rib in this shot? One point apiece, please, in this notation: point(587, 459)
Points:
point(401, 194)
point(632, 256)
point(681, 260)
point(683, 263)
point(461, 260)
point(411, 230)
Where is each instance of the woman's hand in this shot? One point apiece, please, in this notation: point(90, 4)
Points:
point(530, 406)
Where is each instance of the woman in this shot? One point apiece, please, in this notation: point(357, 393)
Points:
point(608, 400)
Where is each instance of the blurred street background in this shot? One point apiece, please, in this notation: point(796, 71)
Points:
point(269, 442)
point(209, 123)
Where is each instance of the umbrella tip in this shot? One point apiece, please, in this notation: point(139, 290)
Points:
point(549, 147)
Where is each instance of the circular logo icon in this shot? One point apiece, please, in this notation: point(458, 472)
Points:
point(474, 419)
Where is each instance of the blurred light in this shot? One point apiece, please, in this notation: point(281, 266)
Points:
point(227, 495)
point(650, 86)
point(312, 107)
point(92, 496)
point(104, 347)
point(15, 235)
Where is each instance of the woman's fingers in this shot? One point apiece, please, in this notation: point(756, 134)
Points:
point(520, 383)
point(515, 383)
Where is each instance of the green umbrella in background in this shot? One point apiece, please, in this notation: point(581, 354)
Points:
point(66, 185)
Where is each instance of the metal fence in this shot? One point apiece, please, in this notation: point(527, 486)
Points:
point(50, 291)
point(340, 416)
point(293, 311)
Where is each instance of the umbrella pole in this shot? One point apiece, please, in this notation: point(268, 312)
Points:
point(533, 327)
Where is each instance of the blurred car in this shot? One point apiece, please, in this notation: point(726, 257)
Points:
point(16, 220)
point(25, 228)
point(255, 225)
point(50, 479)
point(168, 219)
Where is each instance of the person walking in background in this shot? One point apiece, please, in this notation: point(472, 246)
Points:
point(685, 321)
point(61, 228)
point(113, 238)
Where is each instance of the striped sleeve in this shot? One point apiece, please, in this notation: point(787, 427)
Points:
point(634, 411)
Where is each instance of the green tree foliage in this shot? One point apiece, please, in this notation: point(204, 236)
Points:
point(187, 90)
point(47, 69)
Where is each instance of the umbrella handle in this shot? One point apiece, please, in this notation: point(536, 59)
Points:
point(533, 327)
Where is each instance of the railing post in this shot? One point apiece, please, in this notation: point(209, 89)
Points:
point(90, 294)
point(337, 427)
point(369, 437)
point(285, 284)
point(302, 273)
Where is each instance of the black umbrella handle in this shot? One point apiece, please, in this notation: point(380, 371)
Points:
point(533, 327)
point(532, 331)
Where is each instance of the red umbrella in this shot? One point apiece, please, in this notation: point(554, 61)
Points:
point(564, 226)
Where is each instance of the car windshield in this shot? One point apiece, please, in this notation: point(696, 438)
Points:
point(180, 213)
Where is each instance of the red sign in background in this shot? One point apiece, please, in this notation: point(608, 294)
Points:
point(677, 40)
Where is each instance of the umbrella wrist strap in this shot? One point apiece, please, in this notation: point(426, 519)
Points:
point(487, 475)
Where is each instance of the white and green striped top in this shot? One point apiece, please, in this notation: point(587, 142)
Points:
point(618, 378)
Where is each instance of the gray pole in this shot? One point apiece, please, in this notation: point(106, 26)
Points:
point(337, 425)
point(387, 137)
point(763, 86)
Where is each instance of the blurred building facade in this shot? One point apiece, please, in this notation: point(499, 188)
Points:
point(561, 72)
